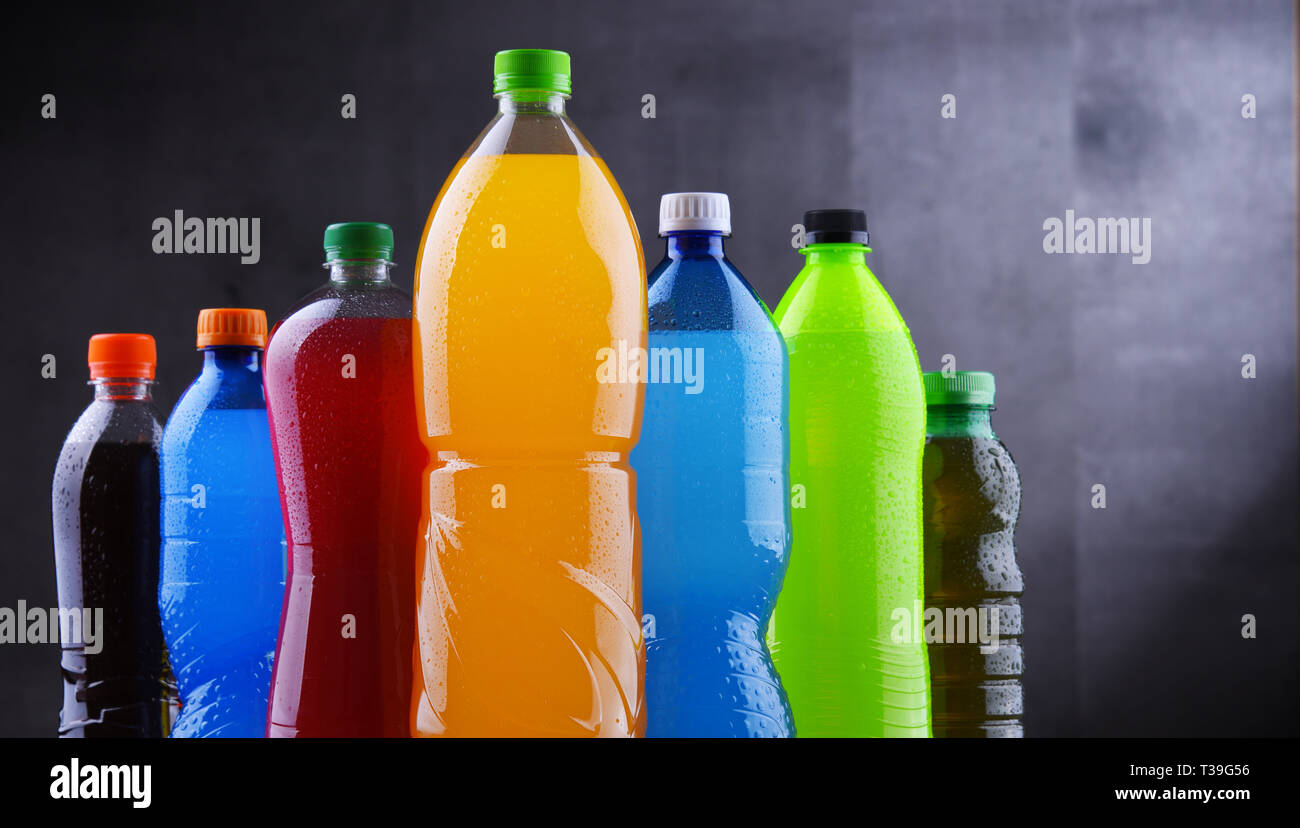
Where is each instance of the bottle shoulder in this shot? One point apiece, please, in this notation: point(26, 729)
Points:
point(336, 300)
point(979, 464)
point(837, 298)
point(530, 133)
point(197, 396)
point(333, 302)
point(117, 421)
point(215, 390)
point(705, 294)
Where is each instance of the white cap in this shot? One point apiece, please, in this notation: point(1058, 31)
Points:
point(694, 211)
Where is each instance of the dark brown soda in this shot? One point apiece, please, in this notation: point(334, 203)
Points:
point(971, 502)
point(106, 514)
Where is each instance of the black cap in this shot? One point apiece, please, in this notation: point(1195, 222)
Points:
point(835, 227)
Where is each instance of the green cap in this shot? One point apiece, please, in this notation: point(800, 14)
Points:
point(358, 240)
point(962, 388)
point(537, 69)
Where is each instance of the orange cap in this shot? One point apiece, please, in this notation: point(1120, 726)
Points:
point(232, 326)
point(122, 355)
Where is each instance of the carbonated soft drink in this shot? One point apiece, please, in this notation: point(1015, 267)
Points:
point(857, 433)
point(711, 486)
point(339, 397)
point(972, 503)
point(530, 282)
point(223, 537)
point(105, 508)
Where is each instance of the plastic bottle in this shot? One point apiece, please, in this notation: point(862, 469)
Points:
point(339, 398)
point(223, 539)
point(857, 433)
point(105, 508)
point(972, 503)
point(712, 483)
point(530, 296)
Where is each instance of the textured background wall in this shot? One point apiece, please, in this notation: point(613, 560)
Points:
point(1108, 372)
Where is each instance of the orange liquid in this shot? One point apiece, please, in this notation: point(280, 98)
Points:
point(528, 615)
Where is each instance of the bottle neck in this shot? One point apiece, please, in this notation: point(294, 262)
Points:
point(531, 102)
point(836, 254)
point(122, 388)
point(232, 357)
point(359, 271)
point(695, 245)
point(959, 421)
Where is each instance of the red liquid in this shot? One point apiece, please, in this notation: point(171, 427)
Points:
point(349, 461)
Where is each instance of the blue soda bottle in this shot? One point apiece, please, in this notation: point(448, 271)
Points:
point(223, 561)
point(712, 487)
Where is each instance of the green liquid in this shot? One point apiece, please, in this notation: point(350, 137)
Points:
point(857, 435)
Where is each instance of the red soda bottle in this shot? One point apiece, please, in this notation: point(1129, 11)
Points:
point(342, 413)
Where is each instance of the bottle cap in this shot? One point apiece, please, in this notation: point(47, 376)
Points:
point(232, 327)
point(694, 211)
point(358, 240)
point(962, 388)
point(126, 355)
point(545, 70)
point(835, 227)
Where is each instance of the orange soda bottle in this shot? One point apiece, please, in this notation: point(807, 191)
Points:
point(530, 285)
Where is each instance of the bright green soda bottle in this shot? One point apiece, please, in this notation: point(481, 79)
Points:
point(845, 633)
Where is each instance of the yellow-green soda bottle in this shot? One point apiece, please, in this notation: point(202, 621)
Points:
point(846, 635)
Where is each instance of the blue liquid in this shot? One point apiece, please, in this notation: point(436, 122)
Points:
point(223, 564)
point(713, 499)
